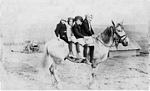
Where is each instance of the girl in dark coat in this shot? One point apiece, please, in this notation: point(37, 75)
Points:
point(61, 30)
point(78, 33)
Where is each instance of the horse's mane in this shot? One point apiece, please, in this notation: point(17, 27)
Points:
point(106, 34)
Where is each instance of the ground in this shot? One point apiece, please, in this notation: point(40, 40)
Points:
point(23, 71)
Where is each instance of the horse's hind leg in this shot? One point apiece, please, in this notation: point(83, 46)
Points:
point(51, 69)
point(53, 72)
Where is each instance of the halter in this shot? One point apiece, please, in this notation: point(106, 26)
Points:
point(120, 37)
point(114, 39)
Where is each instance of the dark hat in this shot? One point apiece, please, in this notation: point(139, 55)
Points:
point(78, 18)
point(70, 18)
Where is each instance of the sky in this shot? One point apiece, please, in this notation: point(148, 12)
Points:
point(131, 11)
point(23, 18)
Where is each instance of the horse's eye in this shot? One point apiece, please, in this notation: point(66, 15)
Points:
point(119, 30)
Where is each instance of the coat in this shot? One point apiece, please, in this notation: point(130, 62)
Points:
point(77, 31)
point(86, 30)
point(61, 30)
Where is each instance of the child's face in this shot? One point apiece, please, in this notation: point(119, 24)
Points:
point(63, 22)
point(70, 22)
point(89, 18)
point(78, 22)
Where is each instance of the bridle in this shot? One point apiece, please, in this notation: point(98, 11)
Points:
point(120, 38)
point(115, 40)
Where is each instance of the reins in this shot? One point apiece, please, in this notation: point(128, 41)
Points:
point(102, 42)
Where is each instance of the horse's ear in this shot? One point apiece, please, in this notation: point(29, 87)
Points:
point(122, 22)
point(113, 22)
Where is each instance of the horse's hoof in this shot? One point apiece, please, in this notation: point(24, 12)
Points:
point(60, 85)
point(55, 83)
point(93, 86)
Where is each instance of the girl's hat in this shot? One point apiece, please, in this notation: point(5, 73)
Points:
point(70, 18)
point(79, 18)
point(63, 19)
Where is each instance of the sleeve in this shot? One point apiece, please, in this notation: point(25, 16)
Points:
point(76, 32)
point(68, 32)
point(92, 31)
point(57, 30)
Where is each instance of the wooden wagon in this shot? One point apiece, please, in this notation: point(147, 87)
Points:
point(31, 47)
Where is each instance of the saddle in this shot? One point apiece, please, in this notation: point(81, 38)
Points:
point(89, 41)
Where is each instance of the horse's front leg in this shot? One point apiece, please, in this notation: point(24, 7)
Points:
point(92, 84)
point(92, 76)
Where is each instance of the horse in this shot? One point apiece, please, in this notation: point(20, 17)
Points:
point(58, 50)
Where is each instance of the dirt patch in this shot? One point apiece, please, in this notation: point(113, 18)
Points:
point(123, 73)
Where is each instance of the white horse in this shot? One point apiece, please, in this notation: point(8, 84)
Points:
point(58, 50)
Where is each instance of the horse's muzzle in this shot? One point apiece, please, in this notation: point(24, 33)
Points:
point(125, 43)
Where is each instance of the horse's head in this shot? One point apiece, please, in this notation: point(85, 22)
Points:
point(119, 34)
point(113, 34)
